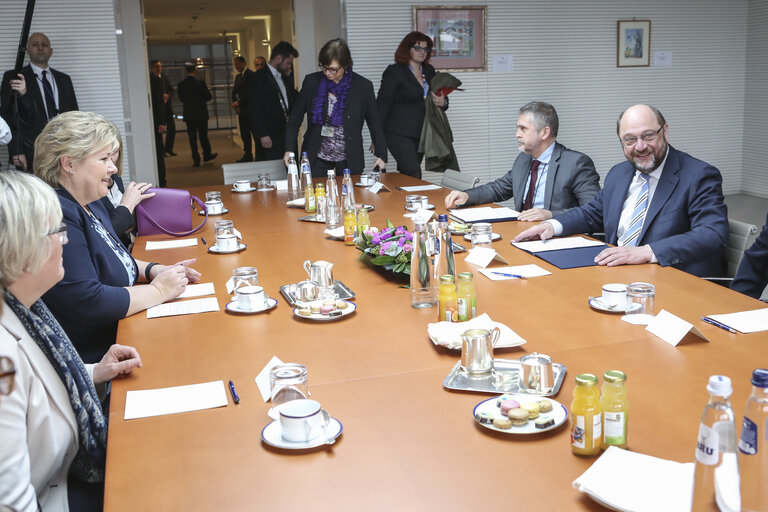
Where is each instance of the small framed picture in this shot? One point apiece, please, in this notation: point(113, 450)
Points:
point(458, 35)
point(633, 43)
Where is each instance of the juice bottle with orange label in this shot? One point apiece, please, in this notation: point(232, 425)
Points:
point(586, 416)
point(448, 309)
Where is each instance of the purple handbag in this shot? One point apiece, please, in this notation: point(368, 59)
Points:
point(168, 212)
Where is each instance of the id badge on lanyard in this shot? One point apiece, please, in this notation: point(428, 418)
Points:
point(328, 131)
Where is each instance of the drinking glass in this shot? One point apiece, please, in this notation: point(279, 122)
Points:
point(224, 227)
point(264, 182)
point(288, 382)
point(244, 276)
point(640, 303)
point(481, 234)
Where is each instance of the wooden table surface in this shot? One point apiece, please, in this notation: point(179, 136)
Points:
point(407, 443)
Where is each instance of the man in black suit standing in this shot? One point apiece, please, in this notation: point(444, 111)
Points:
point(194, 94)
point(158, 123)
point(240, 104)
point(43, 92)
point(170, 131)
point(271, 96)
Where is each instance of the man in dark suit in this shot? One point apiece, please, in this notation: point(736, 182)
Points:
point(752, 276)
point(43, 93)
point(661, 206)
point(194, 94)
point(546, 179)
point(158, 124)
point(240, 104)
point(271, 98)
point(170, 125)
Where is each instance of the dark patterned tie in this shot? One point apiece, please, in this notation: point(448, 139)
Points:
point(50, 100)
point(528, 203)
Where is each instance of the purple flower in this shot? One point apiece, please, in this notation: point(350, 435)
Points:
point(400, 231)
point(376, 240)
point(407, 247)
point(401, 241)
point(408, 236)
point(385, 246)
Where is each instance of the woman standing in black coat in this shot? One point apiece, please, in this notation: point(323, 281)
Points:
point(336, 101)
point(404, 87)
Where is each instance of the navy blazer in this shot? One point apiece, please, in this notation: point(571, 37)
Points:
point(91, 297)
point(752, 276)
point(687, 221)
point(121, 217)
point(360, 106)
point(571, 181)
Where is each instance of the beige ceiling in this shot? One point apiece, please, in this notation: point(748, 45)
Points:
point(201, 20)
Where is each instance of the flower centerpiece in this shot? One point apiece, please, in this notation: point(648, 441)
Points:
point(389, 248)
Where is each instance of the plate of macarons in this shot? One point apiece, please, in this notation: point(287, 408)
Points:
point(324, 311)
point(520, 414)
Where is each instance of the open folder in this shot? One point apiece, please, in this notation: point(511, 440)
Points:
point(484, 214)
point(564, 253)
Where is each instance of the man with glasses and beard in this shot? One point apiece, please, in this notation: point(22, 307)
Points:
point(660, 206)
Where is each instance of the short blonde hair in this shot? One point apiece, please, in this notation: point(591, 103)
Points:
point(74, 134)
point(28, 210)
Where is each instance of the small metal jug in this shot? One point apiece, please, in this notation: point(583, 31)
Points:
point(477, 351)
point(320, 271)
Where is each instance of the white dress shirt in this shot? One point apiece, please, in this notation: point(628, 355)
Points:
point(279, 78)
point(38, 71)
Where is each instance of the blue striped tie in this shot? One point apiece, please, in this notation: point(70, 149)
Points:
point(635, 224)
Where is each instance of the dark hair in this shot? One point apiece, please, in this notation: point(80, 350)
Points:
point(156, 61)
point(335, 49)
point(239, 58)
point(542, 114)
point(283, 49)
point(403, 52)
point(659, 117)
point(190, 68)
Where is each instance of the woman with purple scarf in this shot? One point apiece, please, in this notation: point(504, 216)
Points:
point(336, 101)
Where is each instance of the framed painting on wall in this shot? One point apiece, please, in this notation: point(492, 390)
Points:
point(633, 43)
point(459, 35)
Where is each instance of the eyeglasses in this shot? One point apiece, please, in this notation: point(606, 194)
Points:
point(331, 71)
point(631, 140)
point(61, 231)
point(7, 373)
point(418, 48)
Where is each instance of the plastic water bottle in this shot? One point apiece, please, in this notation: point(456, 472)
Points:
point(347, 191)
point(753, 448)
point(716, 469)
point(305, 170)
point(423, 287)
point(293, 177)
point(332, 208)
point(444, 262)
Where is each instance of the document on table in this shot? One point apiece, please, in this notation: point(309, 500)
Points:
point(158, 402)
point(745, 322)
point(556, 244)
point(420, 188)
point(197, 290)
point(184, 307)
point(495, 274)
point(484, 214)
point(154, 245)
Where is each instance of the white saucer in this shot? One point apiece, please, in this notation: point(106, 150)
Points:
point(234, 308)
point(558, 413)
point(272, 436)
point(361, 184)
point(596, 305)
point(201, 212)
point(494, 237)
point(319, 317)
point(243, 191)
point(429, 206)
point(214, 249)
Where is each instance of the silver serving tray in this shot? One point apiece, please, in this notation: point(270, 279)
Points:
point(338, 287)
point(505, 378)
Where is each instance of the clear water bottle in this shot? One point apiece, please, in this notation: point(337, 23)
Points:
point(444, 261)
point(716, 469)
point(294, 185)
point(332, 207)
point(753, 449)
point(423, 283)
point(347, 191)
point(305, 170)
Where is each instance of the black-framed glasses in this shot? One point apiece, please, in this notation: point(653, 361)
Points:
point(331, 71)
point(7, 374)
point(631, 140)
point(418, 48)
point(61, 231)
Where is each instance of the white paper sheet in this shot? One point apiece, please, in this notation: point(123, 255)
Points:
point(554, 244)
point(520, 270)
point(420, 188)
point(448, 334)
point(157, 402)
point(262, 379)
point(281, 184)
point(197, 290)
point(745, 322)
point(185, 307)
point(153, 245)
point(482, 213)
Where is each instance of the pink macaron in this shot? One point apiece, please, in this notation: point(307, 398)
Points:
point(508, 405)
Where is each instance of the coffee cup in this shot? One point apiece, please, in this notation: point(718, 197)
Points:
point(251, 298)
point(214, 206)
point(614, 294)
point(537, 374)
point(242, 185)
point(424, 201)
point(300, 420)
point(227, 242)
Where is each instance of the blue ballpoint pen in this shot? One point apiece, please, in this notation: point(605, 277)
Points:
point(517, 276)
point(719, 324)
point(235, 398)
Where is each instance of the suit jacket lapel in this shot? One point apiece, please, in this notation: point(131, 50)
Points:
point(554, 165)
point(613, 203)
point(33, 86)
point(520, 172)
point(665, 187)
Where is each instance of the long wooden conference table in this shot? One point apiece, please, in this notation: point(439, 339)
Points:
point(407, 443)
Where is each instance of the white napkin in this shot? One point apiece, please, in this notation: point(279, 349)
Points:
point(337, 233)
point(448, 334)
point(633, 482)
point(297, 203)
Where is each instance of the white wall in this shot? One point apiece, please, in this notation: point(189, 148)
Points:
point(565, 53)
point(755, 166)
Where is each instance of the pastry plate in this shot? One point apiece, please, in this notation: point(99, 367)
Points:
point(232, 307)
point(238, 191)
point(272, 436)
point(505, 378)
point(214, 249)
point(558, 413)
point(600, 307)
point(494, 237)
point(319, 317)
point(201, 212)
point(339, 288)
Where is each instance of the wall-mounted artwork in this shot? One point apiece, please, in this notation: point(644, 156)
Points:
point(458, 33)
point(633, 43)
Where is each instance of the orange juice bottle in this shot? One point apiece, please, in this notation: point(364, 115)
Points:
point(350, 226)
point(615, 407)
point(448, 308)
point(586, 416)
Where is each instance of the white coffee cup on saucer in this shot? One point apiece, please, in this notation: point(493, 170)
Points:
point(227, 242)
point(251, 298)
point(242, 185)
point(615, 294)
point(300, 420)
point(214, 207)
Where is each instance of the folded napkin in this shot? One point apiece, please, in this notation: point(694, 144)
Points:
point(296, 203)
point(448, 334)
point(633, 482)
point(337, 233)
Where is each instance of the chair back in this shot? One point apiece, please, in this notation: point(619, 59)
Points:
point(458, 180)
point(741, 236)
point(251, 171)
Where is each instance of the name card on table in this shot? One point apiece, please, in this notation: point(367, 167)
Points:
point(671, 328)
point(262, 379)
point(197, 290)
point(153, 245)
point(378, 187)
point(483, 256)
point(185, 307)
point(157, 402)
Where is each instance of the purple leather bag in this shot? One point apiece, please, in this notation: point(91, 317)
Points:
point(168, 212)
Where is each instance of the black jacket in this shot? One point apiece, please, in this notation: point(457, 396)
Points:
point(194, 94)
point(267, 115)
point(401, 100)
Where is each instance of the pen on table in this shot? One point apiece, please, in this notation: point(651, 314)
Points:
point(516, 276)
point(235, 398)
point(719, 324)
point(202, 238)
point(398, 188)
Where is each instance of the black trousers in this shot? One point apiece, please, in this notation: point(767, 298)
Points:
point(246, 134)
point(170, 132)
point(195, 128)
point(160, 157)
point(406, 153)
point(321, 168)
